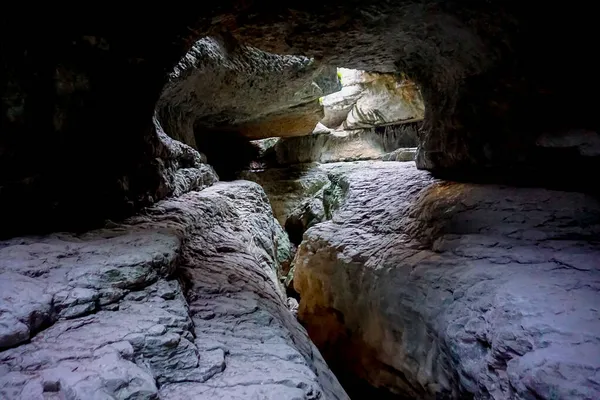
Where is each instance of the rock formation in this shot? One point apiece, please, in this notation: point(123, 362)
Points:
point(414, 285)
point(76, 103)
point(364, 144)
point(223, 86)
point(434, 289)
point(369, 100)
point(180, 302)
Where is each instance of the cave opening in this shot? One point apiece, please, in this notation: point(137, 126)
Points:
point(427, 212)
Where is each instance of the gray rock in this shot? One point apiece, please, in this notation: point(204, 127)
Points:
point(437, 289)
point(338, 105)
point(586, 142)
point(370, 100)
point(179, 302)
point(406, 154)
point(184, 169)
point(285, 251)
point(288, 188)
point(308, 213)
point(25, 306)
point(362, 144)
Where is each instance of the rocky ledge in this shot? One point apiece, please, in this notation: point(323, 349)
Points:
point(435, 289)
point(389, 143)
point(180, 302)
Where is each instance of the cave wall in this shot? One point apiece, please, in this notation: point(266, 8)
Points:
point(494, 75)
point(77, 140)
point(435, 289)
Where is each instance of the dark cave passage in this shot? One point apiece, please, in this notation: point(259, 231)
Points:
point(410, 180)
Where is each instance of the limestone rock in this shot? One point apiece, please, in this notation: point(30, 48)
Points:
point(369, 100)
point(436, 289)
point(586, 143)
point(367, 144)
point(180, 302)
point(223, 86)
point(386, 101)
point(299, 120)
point(289, 188)
point(184, 169)
point(320, 128)
point(308, 213)
point(400, 155)
point(338, 105)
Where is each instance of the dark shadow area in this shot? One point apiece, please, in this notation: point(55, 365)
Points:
point(550, 168)
point(359, 389)
point(346, 355)
point(228, 152)
point(399, 135)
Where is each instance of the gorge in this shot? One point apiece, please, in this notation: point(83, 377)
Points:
point(295, 200)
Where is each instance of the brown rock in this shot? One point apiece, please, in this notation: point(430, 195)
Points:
point(241, 89)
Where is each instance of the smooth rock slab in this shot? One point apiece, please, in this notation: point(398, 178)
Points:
point(436, 289)
point(180, 302)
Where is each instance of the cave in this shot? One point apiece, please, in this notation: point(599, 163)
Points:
point(332, 200)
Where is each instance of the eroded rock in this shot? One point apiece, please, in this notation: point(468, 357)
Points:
point(288, 188)
point(363, 144)
point(224, 86)
point(368, 100)
point(180, 302)
point(76, 107)
point(439, 289)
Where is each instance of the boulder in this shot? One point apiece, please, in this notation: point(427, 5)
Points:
point(221, 85)
point(370, 99)
point(338, 105)
point(179, 302)
point(434, 289)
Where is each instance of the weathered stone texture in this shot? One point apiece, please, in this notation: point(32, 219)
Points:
point(180, 302)
point(430, 288)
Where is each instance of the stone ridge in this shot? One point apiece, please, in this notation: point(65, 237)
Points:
point(180, 302)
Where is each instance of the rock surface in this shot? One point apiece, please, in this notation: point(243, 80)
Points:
point(170, 168)
point(289, 188)
point(369, 100)
point(367, 144)
point(181, 302)
point(221, 85)
point(76, 107)
point(436, 289)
